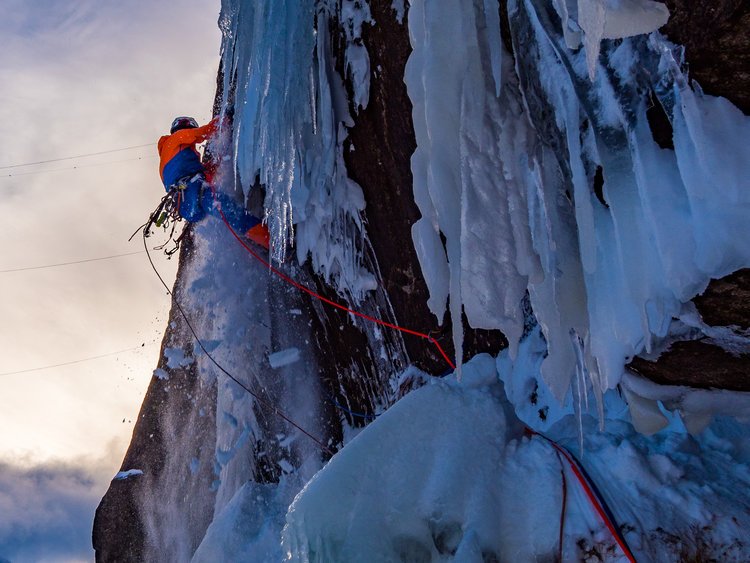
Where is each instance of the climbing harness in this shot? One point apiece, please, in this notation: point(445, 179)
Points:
point(166, 216)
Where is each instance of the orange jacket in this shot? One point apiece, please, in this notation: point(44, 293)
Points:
point(177, 153)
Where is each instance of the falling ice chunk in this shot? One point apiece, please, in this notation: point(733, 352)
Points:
point(285, 466)
point(284, 357)
point(122, 475)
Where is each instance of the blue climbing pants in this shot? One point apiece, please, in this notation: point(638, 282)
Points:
point(198, 201)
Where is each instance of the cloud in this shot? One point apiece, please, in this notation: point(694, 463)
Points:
point(46, 511)
point(81, 77)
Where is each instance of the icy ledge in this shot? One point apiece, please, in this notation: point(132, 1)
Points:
point(413, 487)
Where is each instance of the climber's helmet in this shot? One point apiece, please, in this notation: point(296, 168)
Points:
point(183, 123)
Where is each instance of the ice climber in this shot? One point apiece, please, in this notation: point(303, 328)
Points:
point(180, 167)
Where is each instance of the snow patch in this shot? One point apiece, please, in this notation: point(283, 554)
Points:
point(161, 374)
point(411, 486)
point(426, 492)
point(176, 358)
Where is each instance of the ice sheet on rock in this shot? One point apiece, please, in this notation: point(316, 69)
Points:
point(284, 357)
point(468, 140)
point(290, 107)
point(275, 86)
point(355, 13)
point(122, 475)
point(435, 163)
point(504, 182)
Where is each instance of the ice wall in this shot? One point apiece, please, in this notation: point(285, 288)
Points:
point(543, 177)
point(505, 174)
point(468, 174)
point(413, 486)
point(289, 107)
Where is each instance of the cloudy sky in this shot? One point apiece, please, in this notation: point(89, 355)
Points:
point(79, 77)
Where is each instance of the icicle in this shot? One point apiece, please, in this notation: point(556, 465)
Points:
point(581, 384)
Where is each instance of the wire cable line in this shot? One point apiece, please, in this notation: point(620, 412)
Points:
point(71, 263)
point(79, 361)
point(76, 156)
point(31, 172)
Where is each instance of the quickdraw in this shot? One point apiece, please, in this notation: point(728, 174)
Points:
point(166, 216)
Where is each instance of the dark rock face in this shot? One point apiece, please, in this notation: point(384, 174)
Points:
point(716, 36)
point(697, 363)
point(383, 141)
point(702, 363)
point(726, 302)
point(118, 530)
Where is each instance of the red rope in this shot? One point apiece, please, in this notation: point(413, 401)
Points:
point(591, 497)
point(319, 297)
point(561, 451)
point(562, 509)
